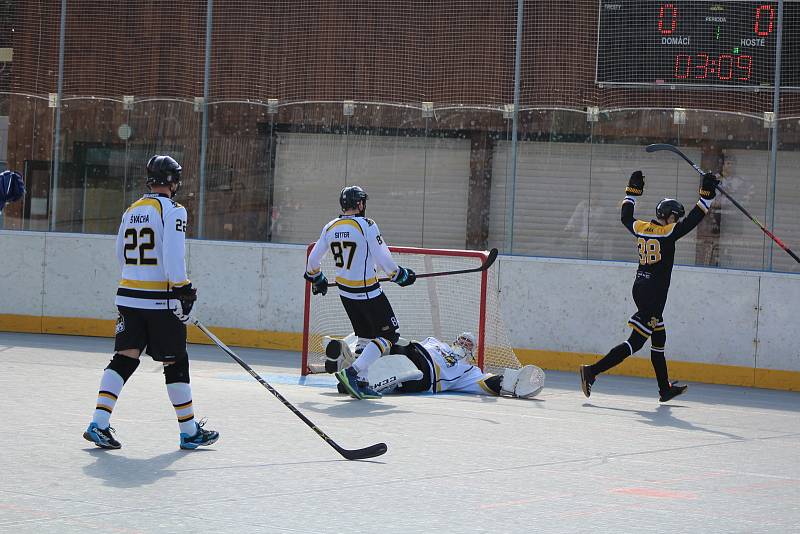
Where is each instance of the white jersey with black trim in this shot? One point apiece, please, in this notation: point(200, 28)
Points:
point(151, 245)
point(448, 372)
point(358, 251)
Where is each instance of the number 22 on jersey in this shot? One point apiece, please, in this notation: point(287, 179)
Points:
point(649, 251)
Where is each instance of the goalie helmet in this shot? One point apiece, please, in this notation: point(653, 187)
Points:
point(163, 170)
point(464, 346)
point(351, 196)
point(669, 206)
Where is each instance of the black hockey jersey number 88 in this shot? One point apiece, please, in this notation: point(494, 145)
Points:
point(649, 251)
point(146, 240)
point(338, 252)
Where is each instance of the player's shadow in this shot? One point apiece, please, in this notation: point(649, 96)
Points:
point(121, 472)
point(662, 416)
point(349, 408)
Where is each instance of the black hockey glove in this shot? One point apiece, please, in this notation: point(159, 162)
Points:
point(186, 296)
point(404, 277)
point(319, 284)
point(635, 184)
point(708, 189)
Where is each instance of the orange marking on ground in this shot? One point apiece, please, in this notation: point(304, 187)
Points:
point(658, 494)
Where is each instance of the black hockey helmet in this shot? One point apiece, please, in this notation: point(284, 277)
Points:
point(163, 170)
point(669, 206)
point(351, 196)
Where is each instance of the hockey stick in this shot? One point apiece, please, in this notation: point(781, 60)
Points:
point(350, 454)
point(485, 265)
point(663, 146)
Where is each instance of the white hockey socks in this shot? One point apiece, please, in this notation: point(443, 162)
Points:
point(110, 387)
point(370, 354)
point(180, 395)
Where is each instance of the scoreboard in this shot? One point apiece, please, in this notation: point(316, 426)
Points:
point(698, 43)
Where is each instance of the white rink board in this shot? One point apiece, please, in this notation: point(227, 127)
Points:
point(22, 266)
point(778, 347)
point(549, 304)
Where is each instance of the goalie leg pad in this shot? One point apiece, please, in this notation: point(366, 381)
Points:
point(524, 383)
point(390, 371)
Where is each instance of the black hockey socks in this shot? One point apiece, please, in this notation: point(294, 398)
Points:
point(657, 342)
point(118, 371)
point(176, 376)
point(616, 355)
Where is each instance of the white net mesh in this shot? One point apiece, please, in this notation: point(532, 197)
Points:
point(442, 307)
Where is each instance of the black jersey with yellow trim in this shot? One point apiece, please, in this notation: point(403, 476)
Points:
point(656, 241)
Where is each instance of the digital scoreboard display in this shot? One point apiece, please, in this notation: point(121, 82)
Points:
point(699, 43)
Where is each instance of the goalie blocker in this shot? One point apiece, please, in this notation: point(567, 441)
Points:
point(435, 366)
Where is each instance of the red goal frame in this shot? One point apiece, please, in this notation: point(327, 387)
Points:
point(478, 254)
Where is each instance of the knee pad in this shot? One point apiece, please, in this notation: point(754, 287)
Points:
point(177, 372)
point(636, 341)
point(124, 366)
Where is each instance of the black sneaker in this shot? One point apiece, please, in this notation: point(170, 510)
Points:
point(101, 437)
point(201, 437)
point(587, 379)
point(673, 391)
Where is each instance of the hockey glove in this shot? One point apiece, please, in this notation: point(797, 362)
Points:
point(319, 284)
point(708, 189)
point(404, 277)
point(185, 295)
point(635, 184)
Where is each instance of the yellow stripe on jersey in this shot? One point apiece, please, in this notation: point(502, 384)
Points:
point(650, 229)
point(181, 284)
point(346, 222)
point(437, 371)
point(702, 206)
point(356, 283)
point(161, 285)
point(147, 202)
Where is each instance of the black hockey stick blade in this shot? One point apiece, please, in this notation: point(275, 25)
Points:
point(656, 147)
point(355, 454)
point(362, 454)
point(675, 150)
point(488, 262)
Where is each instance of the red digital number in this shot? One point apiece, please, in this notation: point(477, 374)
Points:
point(744, 63)
point(729, 66)
point(704, 66)
point(667, 29)
point(758, 28)
point(679, 65)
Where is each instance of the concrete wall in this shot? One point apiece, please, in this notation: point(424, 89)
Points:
point(737, 319)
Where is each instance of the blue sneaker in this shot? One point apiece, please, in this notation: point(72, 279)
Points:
point(101, 437)
point(357, 389)
point(202, 437)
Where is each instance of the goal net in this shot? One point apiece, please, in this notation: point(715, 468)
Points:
point(439, 306)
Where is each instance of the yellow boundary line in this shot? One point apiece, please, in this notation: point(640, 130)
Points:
point(557, 361)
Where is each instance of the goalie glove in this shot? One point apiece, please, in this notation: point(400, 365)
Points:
point(635, 184)
point(186, 297)
point(319, 284)
point(708, 189)
point(404, 277)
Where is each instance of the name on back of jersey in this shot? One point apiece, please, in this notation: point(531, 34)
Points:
point(138, 218)
point(341, 235)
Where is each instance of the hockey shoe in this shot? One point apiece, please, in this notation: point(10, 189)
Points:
point(673, 391)
point(587, 379)
point(101, 437)
point(357, 389)
point(201, 438)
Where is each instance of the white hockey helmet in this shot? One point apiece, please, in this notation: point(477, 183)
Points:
point(464, 345)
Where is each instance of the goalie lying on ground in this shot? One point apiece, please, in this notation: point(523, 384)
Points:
point(435, 366)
